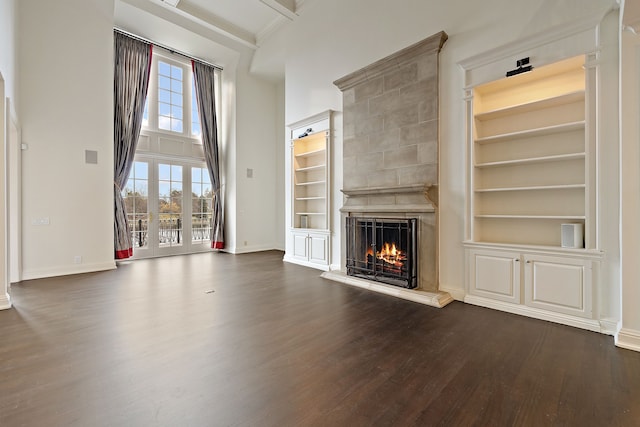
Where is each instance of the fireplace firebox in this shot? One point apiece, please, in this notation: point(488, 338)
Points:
point(383, 249)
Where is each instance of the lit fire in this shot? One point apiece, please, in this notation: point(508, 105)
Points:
point(390, 254)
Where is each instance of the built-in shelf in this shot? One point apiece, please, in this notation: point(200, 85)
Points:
point(310, 178)
point(532, 188)
point(528, 158)
point(309, 237)
point(541, 104)
point(311, 198)
point(310, 183)
point(562, 217)
point(311, 168)
point(533, 160)
point(310, 153)
point(528, 133)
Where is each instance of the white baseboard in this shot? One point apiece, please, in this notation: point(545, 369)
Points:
point(335, 267)
point(628, 338)
point(249, 249)
point(5, 301)
point(610, 326)
point(292, 260)
point(66, 270)
point(564, 319)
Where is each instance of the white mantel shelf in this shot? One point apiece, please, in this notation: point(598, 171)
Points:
point(433, 299)
point(399, 189)
point(389, 208)
point(421, 189)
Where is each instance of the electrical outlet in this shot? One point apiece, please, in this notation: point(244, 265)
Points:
point(77, 259)
point(41, 221)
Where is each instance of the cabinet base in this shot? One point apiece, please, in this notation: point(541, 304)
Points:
point(576, 322)
point(305, 263)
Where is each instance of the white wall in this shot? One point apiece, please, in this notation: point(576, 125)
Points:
point(333, 38)
point(8, 51)
point(629, 335)
point(8, 90)
point(281, 146)
point(256, 149)
point(66, 107)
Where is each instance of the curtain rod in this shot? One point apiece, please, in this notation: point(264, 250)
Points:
point(170, 49)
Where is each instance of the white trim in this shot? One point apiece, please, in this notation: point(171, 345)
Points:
point(610, 326)
point(551, 35)
point(325, 115)
point(282, 9)
point(588, 324)
point(249, 249)
point(593, 254)
point(270, 29)
point(5, 301)
point(335, 267)
point(293, 260)
point(628, 338)
point(40, 273)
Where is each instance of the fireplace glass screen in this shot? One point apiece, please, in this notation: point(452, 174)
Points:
point(383, 249)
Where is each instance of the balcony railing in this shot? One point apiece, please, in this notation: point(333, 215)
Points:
point(170, 231)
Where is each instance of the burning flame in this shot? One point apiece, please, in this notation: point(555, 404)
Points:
point(390, 254)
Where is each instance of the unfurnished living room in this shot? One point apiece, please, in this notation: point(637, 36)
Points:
point(331, 213)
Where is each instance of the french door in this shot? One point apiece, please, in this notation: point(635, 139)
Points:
point(168, 205)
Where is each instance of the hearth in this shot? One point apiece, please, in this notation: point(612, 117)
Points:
point(383, 249)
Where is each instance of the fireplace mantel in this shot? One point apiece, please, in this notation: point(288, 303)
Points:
point(425, 202)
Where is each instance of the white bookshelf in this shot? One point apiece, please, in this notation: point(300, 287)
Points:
point(529, 156)
point(309, 240)
point(310, 176)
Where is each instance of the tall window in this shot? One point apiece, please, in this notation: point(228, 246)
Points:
point(169, 194)
point(171, 104)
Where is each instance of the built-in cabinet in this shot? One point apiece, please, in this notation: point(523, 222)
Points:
point(532, 169)
point(544, 281)
point(309, 166)
point(312, 247)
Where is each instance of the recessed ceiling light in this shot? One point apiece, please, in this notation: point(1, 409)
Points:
point(173, 3)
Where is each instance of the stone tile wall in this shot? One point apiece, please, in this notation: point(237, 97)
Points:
point(391, 119)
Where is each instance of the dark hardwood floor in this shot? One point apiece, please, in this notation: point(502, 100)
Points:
point(275, 345)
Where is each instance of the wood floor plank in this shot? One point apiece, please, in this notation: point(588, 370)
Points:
point(221, 340)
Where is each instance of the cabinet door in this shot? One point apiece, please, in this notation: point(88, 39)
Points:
point(495, 275)
point(300, 247)
point(558, 284)
point(318, 249)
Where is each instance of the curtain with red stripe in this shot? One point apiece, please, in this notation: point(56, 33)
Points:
point(132, 68)
point(204, 82)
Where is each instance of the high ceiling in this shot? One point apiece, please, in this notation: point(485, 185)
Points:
point(246, 21)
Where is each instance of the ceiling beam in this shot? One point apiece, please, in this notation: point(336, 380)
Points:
point(286, 8)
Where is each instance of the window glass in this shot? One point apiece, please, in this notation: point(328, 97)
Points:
point(170, 113)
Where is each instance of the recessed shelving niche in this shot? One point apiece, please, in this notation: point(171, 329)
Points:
point(529, 169)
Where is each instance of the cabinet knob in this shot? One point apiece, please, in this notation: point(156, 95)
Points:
point(517, 259)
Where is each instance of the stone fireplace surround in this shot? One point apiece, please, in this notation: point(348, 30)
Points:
point(390, 156)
